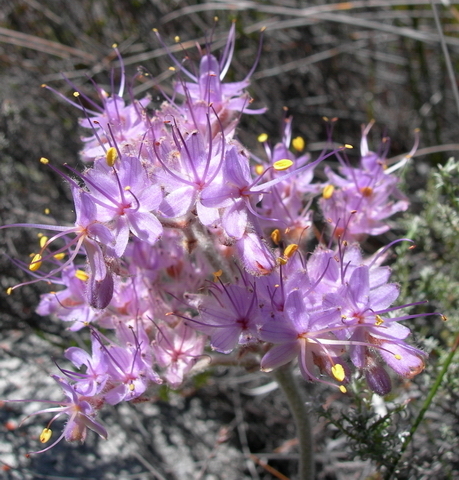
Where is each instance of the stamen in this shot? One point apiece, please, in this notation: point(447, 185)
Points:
point(298, 144)
point(44, 160)
point(327, 192)
point(35, 264)
point(276, 236)
point(82, 275)
point(342, 389)
point(290, 250)
point(366, 191)
point(283, 164)
point(262, 137)
point(111, 156)
point(45, 435)
point(338, 372)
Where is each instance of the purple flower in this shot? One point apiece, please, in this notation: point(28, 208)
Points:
point(230, 317)
point(358, 203)
point(129, 366)
point(125, 197)
point(228, 100)
point(81, 411)
point(299, 332)
point(114, 122)
point(187, 170)
point(70, 304)
point(91, 238)
point(176, 350)
point(367, 328)
point(93, 381)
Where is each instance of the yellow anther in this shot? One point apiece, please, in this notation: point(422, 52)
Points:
point(154, 30)
point(217, 274)
point(290, 250)
point(45, 435)
point(43, 241)
point(262, 137)
point(43, 85)
point(172, 69)
point(44, 160)
point(59, 256)
point(281, 260)
point(9, 291)
point(76, 94)
point(81, 275)
point(398, 357)
point(338, 372)
point(379, 321)
point(177, 39)
point(276, 236)
point(111, 156)
point(327, 192)
point(298, 144)
point(35, 264)
point(282, 164)
point(216, 19)
point(348, 145)
point(342, 389)
point(366, 191)
point(131, 387)
point(259, 169)
point(444, 318)
point(115, 45)
point(47, 211)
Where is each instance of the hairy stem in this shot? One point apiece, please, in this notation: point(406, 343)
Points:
point(297, 403)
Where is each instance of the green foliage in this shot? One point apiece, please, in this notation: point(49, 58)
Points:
point(370, 435)
point(431, 269)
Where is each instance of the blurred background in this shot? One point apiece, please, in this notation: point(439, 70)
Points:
point(355, 61)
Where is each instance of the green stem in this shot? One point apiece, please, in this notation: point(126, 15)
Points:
point(424, 408)
point(297, 403)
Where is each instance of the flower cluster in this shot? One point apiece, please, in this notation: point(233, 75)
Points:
point(184, 237)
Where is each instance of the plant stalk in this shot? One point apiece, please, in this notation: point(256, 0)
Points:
point(297, 403)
